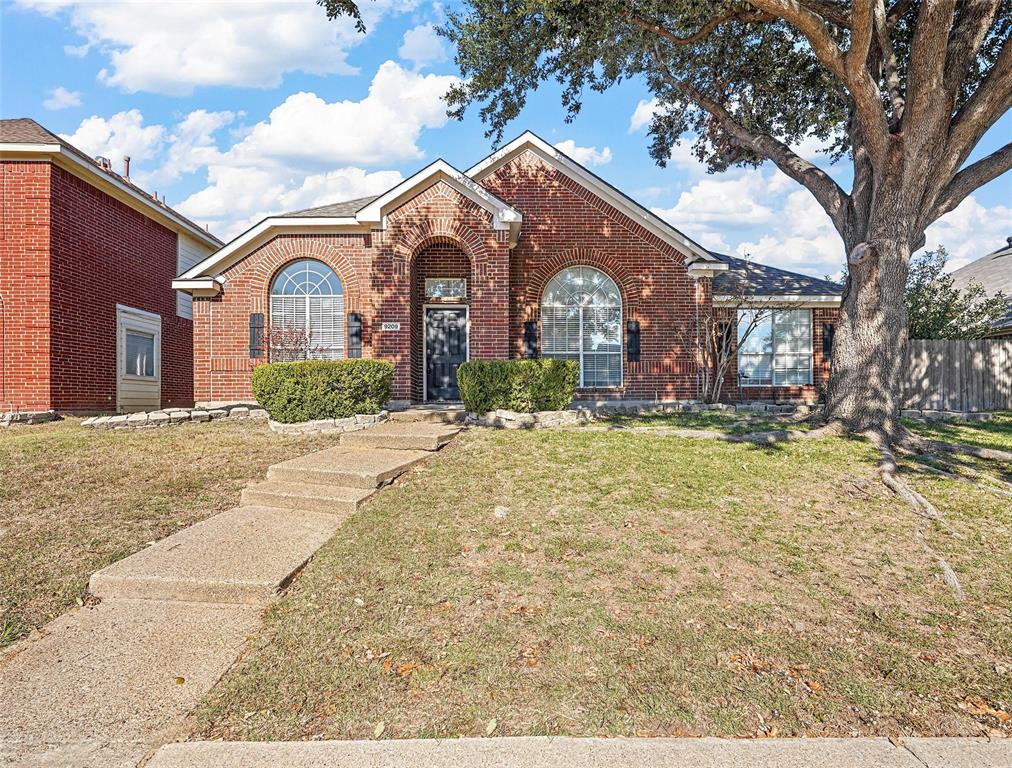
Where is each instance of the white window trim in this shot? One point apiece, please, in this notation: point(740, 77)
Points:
point(773, 354)
point(343, 314)
point(131, 319)
point(621, 333)
point(462, 295)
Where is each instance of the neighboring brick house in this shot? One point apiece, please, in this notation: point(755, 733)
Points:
point(994, 273)
point(527, 253)
point(88, 318)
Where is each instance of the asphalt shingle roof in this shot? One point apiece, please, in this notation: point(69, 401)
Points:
point(24, 130)
point(344, 208)
point(753, 278)
point(994, 273)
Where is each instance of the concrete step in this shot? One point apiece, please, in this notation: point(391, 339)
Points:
point(244, 556)
point(346, 466)
point(333, 499)
point(415, 436)
point(429, 415)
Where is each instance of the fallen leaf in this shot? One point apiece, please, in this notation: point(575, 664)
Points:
point(490, 728)
point(814, 686)
point(180, 680)
point(407, 668)
point(380, 727)
point(388, 664)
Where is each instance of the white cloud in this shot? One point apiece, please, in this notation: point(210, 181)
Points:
point(643, 114)
point(61, 98)
point(172, 48)
point(122, 134)
point(585, 155)
point(970, 231)
point(422, 46)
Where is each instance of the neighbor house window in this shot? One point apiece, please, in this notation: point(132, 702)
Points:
point(446, 287)
point(307, 313)
point(139, 357)
point(581, 319)
point(774, 347)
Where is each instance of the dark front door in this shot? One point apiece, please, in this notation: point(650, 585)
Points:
point(445, 350)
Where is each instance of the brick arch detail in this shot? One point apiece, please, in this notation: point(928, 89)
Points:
point(580, 257)
point(261, 266)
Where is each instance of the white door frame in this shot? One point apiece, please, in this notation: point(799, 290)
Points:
point(425, 345)
point(143, 322)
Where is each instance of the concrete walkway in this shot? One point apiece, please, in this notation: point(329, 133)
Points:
point(106, 685)
point(549, 752)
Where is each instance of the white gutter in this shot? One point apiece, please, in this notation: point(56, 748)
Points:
point(802, 300)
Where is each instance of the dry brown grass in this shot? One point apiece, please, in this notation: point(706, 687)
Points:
point(637, 584)
point(73, 500)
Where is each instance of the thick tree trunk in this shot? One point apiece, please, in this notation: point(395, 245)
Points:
point(869, 349)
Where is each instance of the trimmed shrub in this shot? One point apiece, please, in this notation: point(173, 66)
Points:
point(322, 389)
point(524, 386)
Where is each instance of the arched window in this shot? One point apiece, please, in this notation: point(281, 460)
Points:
point(307, 312)
point(581, 319)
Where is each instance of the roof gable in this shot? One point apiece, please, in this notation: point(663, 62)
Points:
point(752, 279)
point(529, 141)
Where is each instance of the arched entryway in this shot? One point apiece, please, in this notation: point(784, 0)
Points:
point(441, 282)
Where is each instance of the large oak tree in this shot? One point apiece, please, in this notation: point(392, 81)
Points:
point(903, 91)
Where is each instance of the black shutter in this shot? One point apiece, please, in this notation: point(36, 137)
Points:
point(256, 334)
point(828, 330)
point(354, 334)
point(632, 331)
point(531, 338)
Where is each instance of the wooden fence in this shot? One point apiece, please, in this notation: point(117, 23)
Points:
point(957, 375)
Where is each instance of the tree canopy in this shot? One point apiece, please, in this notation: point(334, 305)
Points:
point(940, 310)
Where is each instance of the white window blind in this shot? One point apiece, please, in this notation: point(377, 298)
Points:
point(581, 319)
point(139, 358)
point(774, 347)
point(307, 313)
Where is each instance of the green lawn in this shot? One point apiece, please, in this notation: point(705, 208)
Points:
point(728, 422)
point(73, 500)
point(996, 433)
point(637, 584)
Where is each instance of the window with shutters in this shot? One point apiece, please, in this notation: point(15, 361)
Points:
point(581, 319)
point(778, 350)
point(307, 313)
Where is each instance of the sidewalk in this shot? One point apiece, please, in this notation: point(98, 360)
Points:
point(559, 752)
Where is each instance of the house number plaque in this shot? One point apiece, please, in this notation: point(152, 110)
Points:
point(390, 326)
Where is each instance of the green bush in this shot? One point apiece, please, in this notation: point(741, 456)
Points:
point(524, 386)
point(322, 389)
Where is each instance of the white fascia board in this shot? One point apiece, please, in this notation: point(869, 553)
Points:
point(698, 269)
point(595, 184)
point(504, 216)
point(760, 300)
point(224, 257)
point(79, 166)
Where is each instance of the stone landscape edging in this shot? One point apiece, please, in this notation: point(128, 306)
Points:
point(577, 415)
point(330, 426)
point(172, 416)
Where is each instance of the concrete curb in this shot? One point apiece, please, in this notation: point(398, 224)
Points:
point(564, 752)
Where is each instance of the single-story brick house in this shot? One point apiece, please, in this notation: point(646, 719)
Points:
point(994, 273)
point(88, 318)
point(525, 253)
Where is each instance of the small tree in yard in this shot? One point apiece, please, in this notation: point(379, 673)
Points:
point(939, 310)
point(289, 345)
point(905, 89)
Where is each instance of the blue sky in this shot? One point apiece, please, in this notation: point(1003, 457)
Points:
point(235, 110)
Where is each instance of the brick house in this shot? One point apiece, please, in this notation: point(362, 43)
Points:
point(526, 253)
point(88, 318)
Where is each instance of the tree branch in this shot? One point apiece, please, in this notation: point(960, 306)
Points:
point(967, 36)
point(853, 74)
point(926, 68)
point(970, 178)
point(897, 11)
point(890, 68)
point(735, 12)
point(828, 193)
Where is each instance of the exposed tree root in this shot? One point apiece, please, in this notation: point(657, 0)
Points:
point(920, 444)
point(948, 575)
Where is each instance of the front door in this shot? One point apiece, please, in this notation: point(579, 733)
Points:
point(445, 350)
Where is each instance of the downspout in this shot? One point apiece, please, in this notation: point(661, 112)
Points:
point(3, 351)
point(210, 351)
point(699, 382)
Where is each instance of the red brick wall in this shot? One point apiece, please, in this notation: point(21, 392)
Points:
point(820, 367)
point(565, 225)
point(24, 282)
point(70, 254)
point(105, 253)
point(377, 271)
